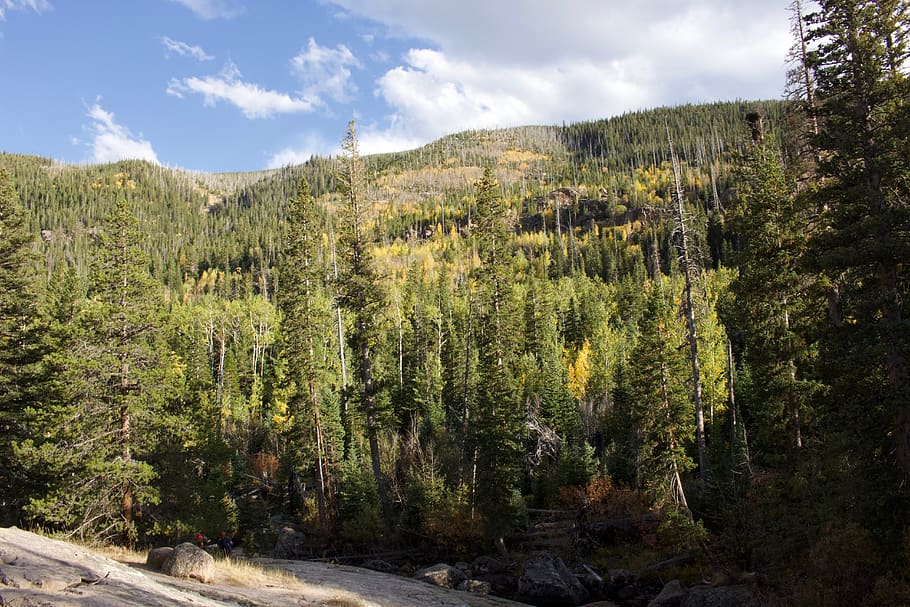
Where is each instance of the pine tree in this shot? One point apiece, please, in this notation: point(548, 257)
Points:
point(861, 247)
point(662, 412)
point(774, 300)
point(113, 380)
point(315, 426)
point(497, 424)
point(20, 343)
point(361, 293)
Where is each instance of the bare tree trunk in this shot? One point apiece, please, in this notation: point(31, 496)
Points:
point(126, 499)
point(689, 270)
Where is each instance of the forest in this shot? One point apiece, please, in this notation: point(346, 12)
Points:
point(692, 315)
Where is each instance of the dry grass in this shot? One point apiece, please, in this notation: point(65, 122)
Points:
point(236, 572)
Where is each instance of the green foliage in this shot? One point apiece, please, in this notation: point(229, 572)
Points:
point(21, 345)
point(114, 376)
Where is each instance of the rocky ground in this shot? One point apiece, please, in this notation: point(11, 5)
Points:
point(37, 571)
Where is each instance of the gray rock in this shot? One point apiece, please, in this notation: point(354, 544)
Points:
point(484, 565)
point(157, 556)
point(44, 576)
point(546, 581)
point(722, 596)
point(289, 544)
point(379, 565)
point(673, 594)
point(442, 575)
point(190, 561)
point(621, 577)
point(475, 586)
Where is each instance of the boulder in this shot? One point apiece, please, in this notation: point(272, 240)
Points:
point(379, 565)
point(157, 556)
point(190, 561)
point(290, 544)
point(484, 565)
point(722, 596)
point(475, 586)
point(546, 581)
point(619, 578)
point(672, 595)
point(442, 575)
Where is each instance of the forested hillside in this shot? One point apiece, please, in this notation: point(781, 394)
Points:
point(694, 316)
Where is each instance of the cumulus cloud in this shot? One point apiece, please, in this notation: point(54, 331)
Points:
point(213, 9)
point(112, 141)
point(325, 71)
point(299, 153)
point(38, 6)
point(492, 64)
point(176, 47)
point(251, 99)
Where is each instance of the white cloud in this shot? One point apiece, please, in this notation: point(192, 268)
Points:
point(112, 141)
point(38, 6)
point(172, 46)
point(324, 71)
point(251, 99)
point(213, 9)
point(309, 146)
point(492, 64)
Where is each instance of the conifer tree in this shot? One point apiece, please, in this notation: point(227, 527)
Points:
point(20, 344)
point(361, 293)
point(774, 301)
point(114, 378)
point(497, 424)
point(859, 60)
point(661, 409)
point(315, 425)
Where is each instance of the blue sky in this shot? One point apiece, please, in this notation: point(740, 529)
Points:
point(237, 85)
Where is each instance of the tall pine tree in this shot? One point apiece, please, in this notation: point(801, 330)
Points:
point(113, 380)
point(20, 348)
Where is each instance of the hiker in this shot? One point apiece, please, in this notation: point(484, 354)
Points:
point(200, 540)
point(226, 544)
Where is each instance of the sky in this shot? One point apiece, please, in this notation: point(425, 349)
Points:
point(243, 85)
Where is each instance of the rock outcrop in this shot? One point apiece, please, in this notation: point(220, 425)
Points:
point(547, 582)
point(190, 561)
point(442, 575)
point(156, 557)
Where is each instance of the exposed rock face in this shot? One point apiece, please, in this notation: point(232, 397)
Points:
point(475, 586)
point(673, 595)
point(547, 582)
point(722, 596)
point(190, 561)
point(442, 575)
point(157, 556)
point(35, 570)
point(289, 544)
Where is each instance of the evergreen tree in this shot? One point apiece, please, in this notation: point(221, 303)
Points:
point(661, 409)
point(862, 245)
point(315, 425)
point(113, 380)
point(774, 301)
point(497, 424)
point(362, 294)
point(20, 343)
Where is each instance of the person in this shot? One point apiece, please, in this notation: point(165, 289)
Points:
point(200, 540)
point(226, 544)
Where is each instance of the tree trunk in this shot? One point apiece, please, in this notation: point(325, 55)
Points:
point(369, 411)
point(688, 271)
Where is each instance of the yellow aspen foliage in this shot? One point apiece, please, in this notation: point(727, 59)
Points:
point(580, 371)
